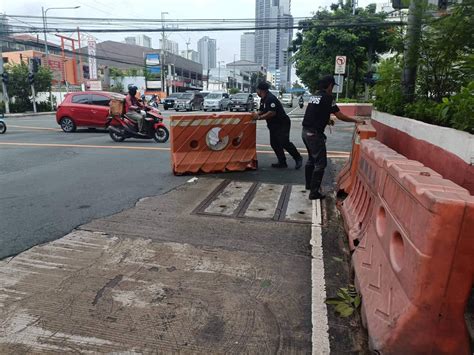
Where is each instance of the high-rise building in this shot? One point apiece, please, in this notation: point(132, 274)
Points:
point(207, 53)
point(170, 46)
point(190, 54)
point(140, 40)
point(271, 45)
point(247, 46)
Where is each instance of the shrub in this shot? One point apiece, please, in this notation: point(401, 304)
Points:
point(388, 93)
point(458, 110)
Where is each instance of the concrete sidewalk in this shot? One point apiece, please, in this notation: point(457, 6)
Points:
point(193, 271)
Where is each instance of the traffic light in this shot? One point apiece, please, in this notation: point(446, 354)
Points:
point(31, 78)
point(5, 77)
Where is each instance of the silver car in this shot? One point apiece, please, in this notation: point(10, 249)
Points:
point(287, 100)
point(216, 101)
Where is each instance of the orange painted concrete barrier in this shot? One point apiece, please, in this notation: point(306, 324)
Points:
point(414, 262)
point(346, 177)
point(355, 109)
point(213, 143)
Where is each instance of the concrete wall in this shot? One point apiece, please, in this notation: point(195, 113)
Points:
point(448, 151)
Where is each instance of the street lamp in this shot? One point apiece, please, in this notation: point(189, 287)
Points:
point(45, 27)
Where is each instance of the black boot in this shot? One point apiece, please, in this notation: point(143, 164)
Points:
point(316, 181)
point(308, 174)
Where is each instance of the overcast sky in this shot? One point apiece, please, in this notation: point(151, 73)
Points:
point(227, 42)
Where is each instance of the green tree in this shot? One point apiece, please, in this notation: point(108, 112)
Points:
point(19, 88)
point(327, 34)
point(447, 53)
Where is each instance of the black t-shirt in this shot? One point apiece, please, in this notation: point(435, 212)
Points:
point(318, 111)
point(271, 103)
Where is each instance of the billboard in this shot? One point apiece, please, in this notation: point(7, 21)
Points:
point(153, 65)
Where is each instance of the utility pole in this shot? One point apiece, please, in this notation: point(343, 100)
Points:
point(162, 59)
point(4, 76)
point(412, 48)
point(234, 72)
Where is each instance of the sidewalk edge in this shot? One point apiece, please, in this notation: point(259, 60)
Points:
point(319, 316)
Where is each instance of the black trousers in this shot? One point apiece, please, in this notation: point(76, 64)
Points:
point(315, 143)
point(280, 141)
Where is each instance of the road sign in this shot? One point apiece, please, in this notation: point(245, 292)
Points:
point(340, 67)
point(337, 89)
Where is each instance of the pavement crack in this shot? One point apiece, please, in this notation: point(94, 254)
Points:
point(110, 284)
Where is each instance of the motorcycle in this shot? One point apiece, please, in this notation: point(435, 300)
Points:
point(127, 128)
point(153, 102)
point(301, 102)
point(3, 126)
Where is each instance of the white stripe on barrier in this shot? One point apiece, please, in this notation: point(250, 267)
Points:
point(205, 122)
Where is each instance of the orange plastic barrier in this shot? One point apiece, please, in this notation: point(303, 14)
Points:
point(346, 177)
point(415, 261)
point(213, 143)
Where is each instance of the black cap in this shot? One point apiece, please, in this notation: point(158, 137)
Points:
point(263, 85)
point(326, 81)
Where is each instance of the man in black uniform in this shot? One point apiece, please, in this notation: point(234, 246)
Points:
point(279, 125)
point(316, 117)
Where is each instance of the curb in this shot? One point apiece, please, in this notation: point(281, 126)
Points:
point(319, 314)
point(32, 114)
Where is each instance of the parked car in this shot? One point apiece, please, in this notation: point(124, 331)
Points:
point(287, 100)
point(205, 93)
point(216, 101)
point(276, 93)
point(256, 101)
point(241, 102)
point(170, 100)
point(189, 101)
point(84, 109)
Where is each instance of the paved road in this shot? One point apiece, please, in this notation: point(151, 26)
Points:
point(53, 182)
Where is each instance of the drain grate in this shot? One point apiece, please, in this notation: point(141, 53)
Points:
point(258, 201)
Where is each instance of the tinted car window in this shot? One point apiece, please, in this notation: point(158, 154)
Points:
point(100, 100)
point(186, 96)
point(80, 99)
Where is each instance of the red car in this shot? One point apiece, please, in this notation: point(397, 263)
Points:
point(84, 109)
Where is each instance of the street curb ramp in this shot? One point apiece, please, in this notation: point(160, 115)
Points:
point(414, 255)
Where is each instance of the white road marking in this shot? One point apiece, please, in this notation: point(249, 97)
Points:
point(319, 317)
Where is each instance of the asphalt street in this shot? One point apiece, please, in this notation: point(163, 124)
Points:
point(53, 182)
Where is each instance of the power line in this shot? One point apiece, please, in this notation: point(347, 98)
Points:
point(305, 26)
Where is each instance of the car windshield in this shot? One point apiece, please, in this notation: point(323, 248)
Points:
point(174, 96)
point(186, 96)
point(214, 96)
point(240, 96)
point(286, 96)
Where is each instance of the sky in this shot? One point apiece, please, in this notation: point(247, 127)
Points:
point(227, 42)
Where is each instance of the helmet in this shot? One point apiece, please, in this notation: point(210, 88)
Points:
point(132, 90)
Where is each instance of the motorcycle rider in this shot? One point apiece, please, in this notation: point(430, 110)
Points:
point(301, 101)
point(133, 107)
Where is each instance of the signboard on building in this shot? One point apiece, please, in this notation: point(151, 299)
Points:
point(91, 51)
point(94, 85)
point(340, 67)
